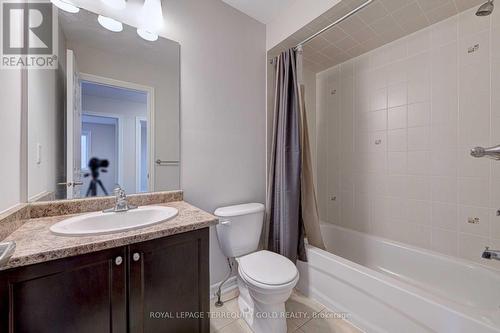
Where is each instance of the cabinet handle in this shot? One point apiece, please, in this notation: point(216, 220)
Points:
point(118, 260)
point(136, 256)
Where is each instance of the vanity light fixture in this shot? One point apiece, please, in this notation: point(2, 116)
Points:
point(147, 35)
point(110, 24)
point(150, 20)
point(66, 6)
point(115, 4)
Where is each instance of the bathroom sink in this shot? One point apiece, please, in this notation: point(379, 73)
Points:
point(107, 223)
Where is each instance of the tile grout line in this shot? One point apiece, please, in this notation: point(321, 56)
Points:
point(310, 319)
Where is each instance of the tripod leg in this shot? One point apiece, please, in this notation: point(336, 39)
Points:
point(102, 187)
point(92, 189)
point(89, 189)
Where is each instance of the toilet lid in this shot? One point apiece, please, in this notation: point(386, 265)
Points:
point(268, 268)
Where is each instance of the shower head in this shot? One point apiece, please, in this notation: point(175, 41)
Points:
point(486, 8)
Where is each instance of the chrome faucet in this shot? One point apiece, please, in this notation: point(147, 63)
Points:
point(491, 254)
point(491, 152)
point(121, 203)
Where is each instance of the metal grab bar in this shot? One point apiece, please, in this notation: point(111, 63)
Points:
point(491, 152)
point(166, 163)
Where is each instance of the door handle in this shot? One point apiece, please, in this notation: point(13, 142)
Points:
point(160, 162)
point(136, 257)
point(69, 184)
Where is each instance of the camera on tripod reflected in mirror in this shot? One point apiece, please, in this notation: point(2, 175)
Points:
point(96, 166)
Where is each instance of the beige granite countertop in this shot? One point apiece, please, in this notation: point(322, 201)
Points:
point(35, 243)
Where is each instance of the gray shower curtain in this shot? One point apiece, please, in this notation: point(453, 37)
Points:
point(285, 234)
point(291, 208)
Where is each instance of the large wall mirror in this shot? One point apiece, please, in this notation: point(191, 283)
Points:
point(108, 115)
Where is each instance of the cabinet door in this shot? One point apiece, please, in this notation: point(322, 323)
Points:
point(80, 294)
point(169, 284)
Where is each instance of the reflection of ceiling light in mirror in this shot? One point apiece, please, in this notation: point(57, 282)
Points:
point(115, 4)
point(110, 24)
point(66, 6)
point(147, 35)
point(151, 17)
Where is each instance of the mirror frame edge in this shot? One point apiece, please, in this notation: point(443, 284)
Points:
point(23, 156)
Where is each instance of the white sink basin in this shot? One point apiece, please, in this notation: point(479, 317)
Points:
point(107, 223)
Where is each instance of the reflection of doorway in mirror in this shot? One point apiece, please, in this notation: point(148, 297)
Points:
point(102, 137)
point(115, 131)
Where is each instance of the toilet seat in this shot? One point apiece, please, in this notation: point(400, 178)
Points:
point(268, 270)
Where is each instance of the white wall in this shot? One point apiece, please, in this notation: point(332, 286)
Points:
point(394, 139)
point(223, 62)
point(293, 18)
point(10, 135)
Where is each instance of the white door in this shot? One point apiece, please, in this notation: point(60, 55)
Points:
point(74, 127)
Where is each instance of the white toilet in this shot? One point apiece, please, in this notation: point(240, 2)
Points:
point(265, 279)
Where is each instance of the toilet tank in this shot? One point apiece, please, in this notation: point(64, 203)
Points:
point(239, 228)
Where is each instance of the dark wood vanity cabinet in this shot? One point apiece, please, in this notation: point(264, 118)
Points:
point(80, 294)
point(169, 284)
point(160, 285)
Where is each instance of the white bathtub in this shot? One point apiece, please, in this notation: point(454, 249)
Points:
point(386, 286)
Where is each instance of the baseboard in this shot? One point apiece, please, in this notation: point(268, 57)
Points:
point(230, 285)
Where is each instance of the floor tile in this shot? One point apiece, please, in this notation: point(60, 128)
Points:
point(223, 316)
point(300, 309)
point(307, 316)
point(238, 326)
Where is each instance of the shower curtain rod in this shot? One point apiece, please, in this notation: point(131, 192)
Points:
point(343, 18)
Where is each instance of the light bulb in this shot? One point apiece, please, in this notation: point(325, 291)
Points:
point(151, 17)
point(110, 24)
point(147, 35)
point(66, 6)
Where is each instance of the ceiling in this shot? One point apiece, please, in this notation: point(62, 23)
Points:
point(264, 11)
point(380, 23)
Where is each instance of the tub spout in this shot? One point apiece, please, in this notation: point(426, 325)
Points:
point(491, 152)
point(491, 254)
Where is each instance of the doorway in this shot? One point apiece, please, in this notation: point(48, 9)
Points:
point(115, 137)
point(101, 138)
point(141, 148)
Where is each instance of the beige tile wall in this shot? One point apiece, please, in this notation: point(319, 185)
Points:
point(381, 22)
point(394, 131)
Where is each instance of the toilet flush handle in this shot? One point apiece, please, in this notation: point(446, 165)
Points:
point(224, 222)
